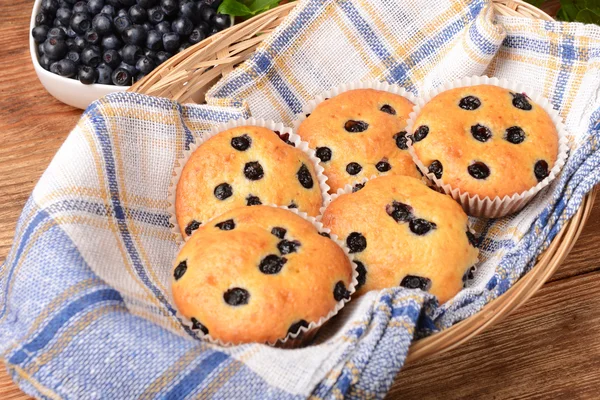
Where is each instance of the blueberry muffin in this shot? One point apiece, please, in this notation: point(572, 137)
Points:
point(244, 166)
point(403, 233)
point(486, 140)
point(254, 274)
point(358, 134)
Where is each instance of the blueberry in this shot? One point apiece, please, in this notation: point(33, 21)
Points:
point(416, 282)
point(64, 16)
point(130, 53)
point(40, 33)
point(74, 56)
point(121, 77)
point(383, 166)
point(226, 225)
point(478, 170)
point(111, 58)
point(481, 133)
point(295, 327)
point(241, 143)
point(81, 7)
point(169, 6)
point(104, 74)
point(145, 65)
point(356, 242)
point(436, 168)
point(197, 326)
point(180, 270)
point(272, 264)
point(54, 67)
point(111, 42)
point(91, 57)
point(419, 226)
point(171, 42)
point(357, 187)
point(163, 27)
point(182, 26)
point(421, 133)
point(122, 23)
point(87, 75)
point(123, 12)
point(304, 177)
point(42, 18)
point(386, 108)
point(515, 135)
point(80, 22)
point(108, 10)
point(71, 33)
point(127, 2)
point(207, 12)
point(92, 37)
point(223, 191)
point(129, 68)
point(156, 15)
point(288, 246)
point(49, 6)
point(204, 27)
point(469, 103)
point(324, 153)
point(401, 140)
point(355, 126)
point(253, 171)
point(137, 14)
point(213, 30)
point(520, 101)
point(253, 201)
point(215, 4)
point(340, 292)
point(192, 226)
point(66, 68)
point(220, 21)
point(102, 24)
point(361, 277)
point(40, 48)
point(279, 232)
point(400, 212)
point(135, 35)
point(353, 168)
point(196, 36)
point(541, 170)
point(162, 56)
point(146, 4)
point(78, 45)
point(57, 33)
point(45, 62)
point(188, 10)
point(95, 6)
point(55, 49)
point(236, 296)
point(151, 54)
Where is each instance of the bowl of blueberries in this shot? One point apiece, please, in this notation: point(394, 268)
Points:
point(84, 49)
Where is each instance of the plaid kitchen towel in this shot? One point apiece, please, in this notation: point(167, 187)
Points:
point(84, 310)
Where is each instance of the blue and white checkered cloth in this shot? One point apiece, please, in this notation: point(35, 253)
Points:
point(84, 310)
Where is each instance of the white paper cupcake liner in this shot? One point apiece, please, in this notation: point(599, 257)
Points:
point(304, 334)
point(274, 126)
point(345, 87)
point(497, 207)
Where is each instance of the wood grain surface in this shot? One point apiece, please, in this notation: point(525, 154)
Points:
point(550, 348)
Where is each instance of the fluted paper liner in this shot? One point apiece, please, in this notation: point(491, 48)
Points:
point(472, 203)
point(305, 334)
point(272, 125)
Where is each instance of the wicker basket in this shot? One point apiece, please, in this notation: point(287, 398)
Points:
point(187, 76)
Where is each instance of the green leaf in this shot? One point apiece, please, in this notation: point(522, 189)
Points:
point(569, 9)
point(536, 3)
point(235, 8)
point(579, 4)
point(588, 17)
point(259, 5)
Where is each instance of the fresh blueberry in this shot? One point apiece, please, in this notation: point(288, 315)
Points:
point(188, 10)
point(156, 15)
point(81, 7)
point(135, 35)
point(108, 10)
point(45, 62)
point(104, 74)
point(122, 23)
point(213, 31)
point(171, 42)
point(216, 3)
point(40, 33)
point(42, 18)
point(129, 68)
point(111, 42)
point(127, 2)
point(154, 41)
point(41, 48)
point(163, 27)
point(92, 37)
point(57, 24)
point(102, 24)
point(95, 6)
point(54, 67)
point(139, 77)
point(66, 68)
point(49, 6)
point(131, 53)
point(204, 27)
point(207, 12)
point(115, 3)
point(182, 26)
point(121, 77)
point(145, 65)
point(169, 6)
point(71, 33)
point(64, 16)
point(220, 21)
point(90, 56)
point(162, 56)
point(55, 48)
point(87, 75)
point(74, 56)
point(137, 14)
point(147, 26)
point(111, 58)
point(183, 47)
point(79, 44)
point(80, 22)
point(197, 36)
point(57, 33)
point(147, 4)
point(123, 12)
point(151, 54)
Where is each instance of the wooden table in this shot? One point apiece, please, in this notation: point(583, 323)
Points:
point(550, 348)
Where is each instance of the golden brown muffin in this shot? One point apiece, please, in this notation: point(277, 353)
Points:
point(254, 274)
point(247, 165)
point(486, 140)
point(404, 233)
point(358, 134)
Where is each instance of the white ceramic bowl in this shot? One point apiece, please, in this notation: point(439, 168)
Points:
point(69, 91)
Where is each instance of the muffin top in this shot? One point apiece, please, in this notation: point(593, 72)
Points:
point(486, 140)
point(404, 233)
point(247, 165)
point(358, 134)
point(254, 274)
